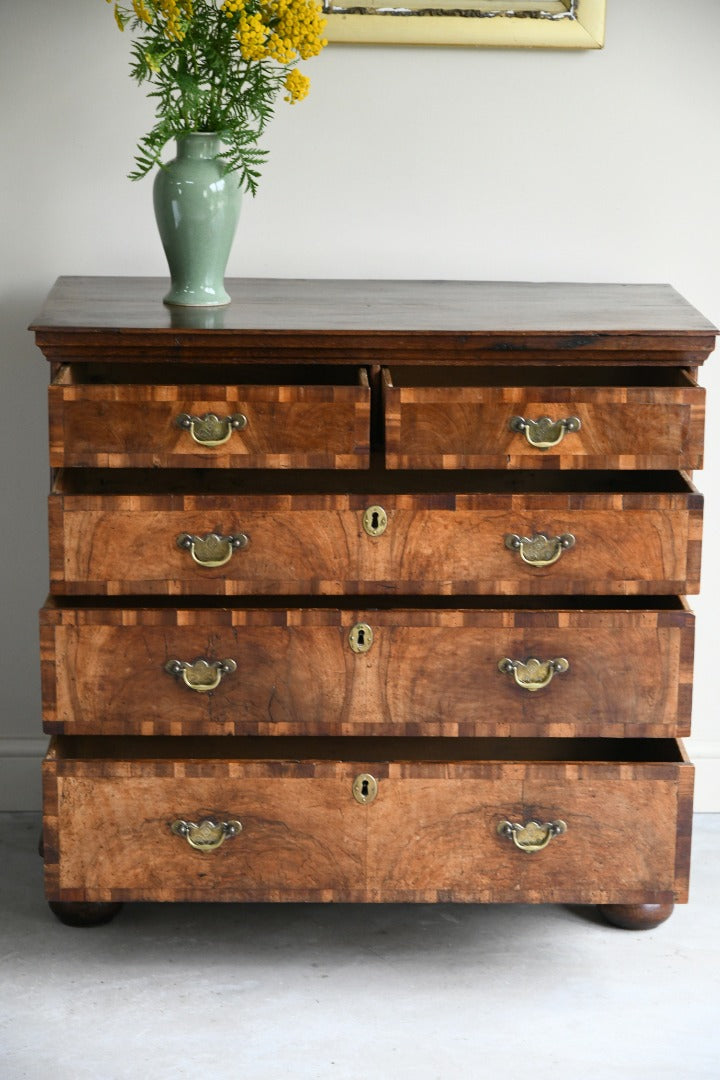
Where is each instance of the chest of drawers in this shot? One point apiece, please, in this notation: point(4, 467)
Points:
point(371, 591)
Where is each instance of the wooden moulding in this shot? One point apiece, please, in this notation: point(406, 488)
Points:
point(370, 322)
point(468, 426)
point(428, 671)
point(429, 835)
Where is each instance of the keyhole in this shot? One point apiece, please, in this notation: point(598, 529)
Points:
point(360, 638)
point(375, 521)
point(364, 788)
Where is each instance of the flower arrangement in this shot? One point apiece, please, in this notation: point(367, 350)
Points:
point(218, 66)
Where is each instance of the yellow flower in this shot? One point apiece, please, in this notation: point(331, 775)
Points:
point(142, 12)
point(298, 86)
point(252, 34)
point(298, 27)
point(175, 13)
point(219, 65)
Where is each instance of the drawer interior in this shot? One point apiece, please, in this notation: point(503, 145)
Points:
point(205, 377)
point(374, 603)
point(367, 482)
point(363, 749)
point(544, 376)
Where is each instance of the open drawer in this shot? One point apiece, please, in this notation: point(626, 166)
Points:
point(127, 532)
point(138, 416)
point(530, 418)
point(619, 667)
point(548, 820)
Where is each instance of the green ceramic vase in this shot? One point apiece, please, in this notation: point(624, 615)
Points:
point(196, 209)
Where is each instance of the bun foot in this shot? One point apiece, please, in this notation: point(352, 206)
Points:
point(74, 913)
point(636, 916)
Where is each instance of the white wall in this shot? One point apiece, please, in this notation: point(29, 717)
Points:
point(409, 162)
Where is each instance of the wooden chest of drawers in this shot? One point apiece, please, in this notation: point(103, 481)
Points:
point(371, 591)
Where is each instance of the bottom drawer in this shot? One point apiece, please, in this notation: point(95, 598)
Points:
point(367, 820)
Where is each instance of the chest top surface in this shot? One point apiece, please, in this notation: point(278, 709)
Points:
point(463, 321)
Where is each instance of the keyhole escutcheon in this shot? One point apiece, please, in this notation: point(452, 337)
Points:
point(375, 521)
point(365, 788)
point(361, 637)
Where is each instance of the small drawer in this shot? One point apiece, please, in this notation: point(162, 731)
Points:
point(498, 534)
point(569, 418)
point(367, 820)
point(618, 668)
point(100, 416)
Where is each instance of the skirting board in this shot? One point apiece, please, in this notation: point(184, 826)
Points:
point(20, 774)
point(20, 787)
point(705, 753)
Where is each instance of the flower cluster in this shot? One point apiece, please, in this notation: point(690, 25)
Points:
point(142, 11)
point(280, 30)
point(297, 86)
point(218, 66)
point(172, 16)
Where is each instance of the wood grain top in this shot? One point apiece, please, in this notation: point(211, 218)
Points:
point(375, 322)
point(275, 304)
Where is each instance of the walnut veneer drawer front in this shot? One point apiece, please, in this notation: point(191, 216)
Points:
point(435, 419)
point(491, 542)
point(208, 426)
point(441, 821)
point(590, 670)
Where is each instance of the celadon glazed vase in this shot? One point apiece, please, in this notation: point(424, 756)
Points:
point(196, 209)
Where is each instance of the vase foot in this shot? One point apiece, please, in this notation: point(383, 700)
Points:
point(182, 299)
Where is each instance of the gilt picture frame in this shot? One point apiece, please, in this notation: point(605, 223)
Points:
point(550, 24)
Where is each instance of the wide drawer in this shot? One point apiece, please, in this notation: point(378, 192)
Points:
point(100, 416)
point(590, 418)
point(623, 534)
point(367, 820)
point(622, 669)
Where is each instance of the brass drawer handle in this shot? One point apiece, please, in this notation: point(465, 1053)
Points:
point(544, 432)
point(532, 836)
point(201, 675)
point(208, 834)
point(209, 429)
point(539, 550)
point(212, 549)
point(533, 674)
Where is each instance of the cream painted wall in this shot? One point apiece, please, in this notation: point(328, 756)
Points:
point(425, 163)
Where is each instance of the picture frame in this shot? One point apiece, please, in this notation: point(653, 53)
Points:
point(549, 24)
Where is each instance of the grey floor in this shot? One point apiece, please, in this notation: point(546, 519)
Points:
point(311, 992)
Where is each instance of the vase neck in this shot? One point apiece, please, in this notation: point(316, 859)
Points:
point(198, 144)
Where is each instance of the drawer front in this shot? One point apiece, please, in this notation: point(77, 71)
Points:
point(212, 671)
point(290, 545)
point(434, 830)
point(473, 427)
point(437, 837)
point(249, 426)
point(300, 839)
